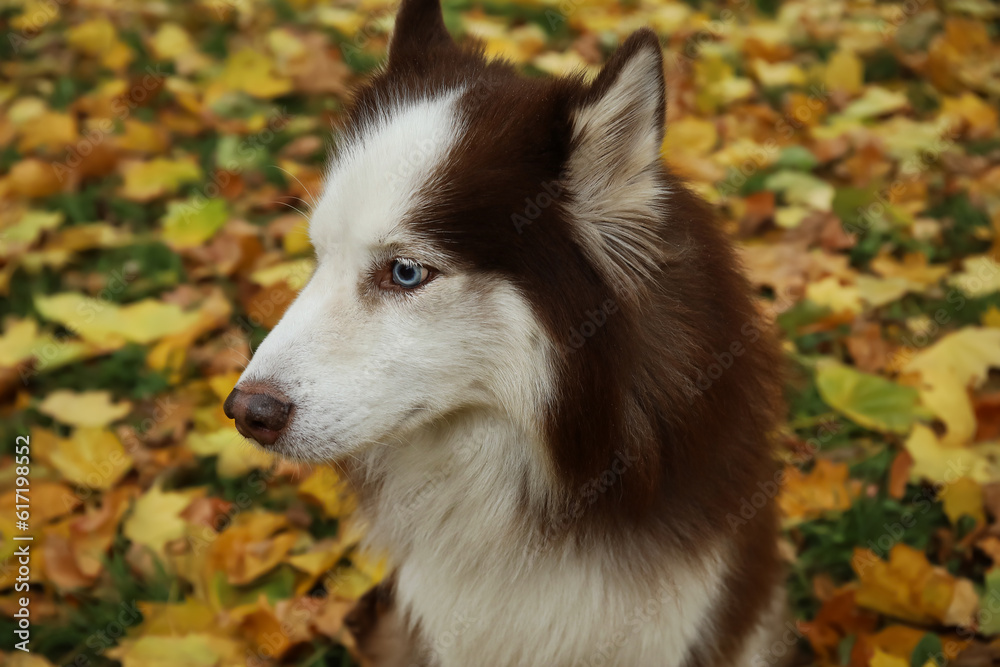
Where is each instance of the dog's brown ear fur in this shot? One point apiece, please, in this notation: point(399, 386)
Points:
point(419, 32)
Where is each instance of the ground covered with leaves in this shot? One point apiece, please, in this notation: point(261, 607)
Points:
point(155, 159)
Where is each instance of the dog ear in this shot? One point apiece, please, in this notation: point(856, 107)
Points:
point(614, 159)
point(621, 116)
point(419, 30)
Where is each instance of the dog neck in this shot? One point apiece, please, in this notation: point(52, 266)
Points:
point(465, 479)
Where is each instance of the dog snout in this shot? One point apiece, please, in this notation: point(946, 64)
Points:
point(260, 413)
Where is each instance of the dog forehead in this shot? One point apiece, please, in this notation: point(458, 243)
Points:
point(386, 169)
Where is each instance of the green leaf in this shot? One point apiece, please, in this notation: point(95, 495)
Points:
point(869, 400)
point(191, 222)
point(798, 158)
point(990, 623)
point(927, 649)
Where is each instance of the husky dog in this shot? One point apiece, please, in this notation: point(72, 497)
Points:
point(529, 349)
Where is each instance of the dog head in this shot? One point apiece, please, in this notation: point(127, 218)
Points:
point(480, 238)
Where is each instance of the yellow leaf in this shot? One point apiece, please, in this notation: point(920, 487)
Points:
point(221, 385)
point(880, 659)
point(971, 111)
point(32, 178)
point(914, 268)
point(980, 277)
point(22, 341)
point(236, 456)
point(88, 237)
point(897, 640)
point(155, 519)
point(285, 44)
point(191, 650)
point(171, 41)
point(790, 217)
point(175, 618)
point(876, 101)
point(296, 240)
point(142, 137)
point(169, 354)
point(320, 558)
point(963, 497)
point(774, 75)
point(92, 37)
point(51, 130)
point(907, 587)
point(948, 369)
point(824, 489)
point(88, 408)
point(35, 15)
point(690, 135)
point(19, 659)
point(145, 181)
point(98, 37)
point(801, 188)
point(50, 500)
point(294, 273)
point(352, 581)
point(947, 397)
point(253, 73)
point(346, 21)
point(326, 488)
point(878, 292)
point(845, 73)
point(837, 297)
point(991, 318)
point(91, 457)
point(97, 320)
point(937, 463)
point(27, 230)
point(18, 341)
point(250, 548)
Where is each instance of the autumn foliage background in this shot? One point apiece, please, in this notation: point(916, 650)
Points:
point(156, 160)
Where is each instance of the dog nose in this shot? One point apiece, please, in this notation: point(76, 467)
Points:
point(258, 414)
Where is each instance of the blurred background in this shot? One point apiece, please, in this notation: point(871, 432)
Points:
point(157, 163)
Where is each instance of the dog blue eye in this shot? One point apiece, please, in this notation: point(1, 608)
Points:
point(408, 274)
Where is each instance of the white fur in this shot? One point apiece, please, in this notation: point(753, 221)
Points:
point(613, 174)
point(479, 600)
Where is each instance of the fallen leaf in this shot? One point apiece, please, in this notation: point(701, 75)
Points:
point(869, 400)
point(89, 408)
point(90, 457)
point(950, 367)
point(824, 489)
point(963, 497)
point(908, 587)
point(156, 517)
point(145, 181)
